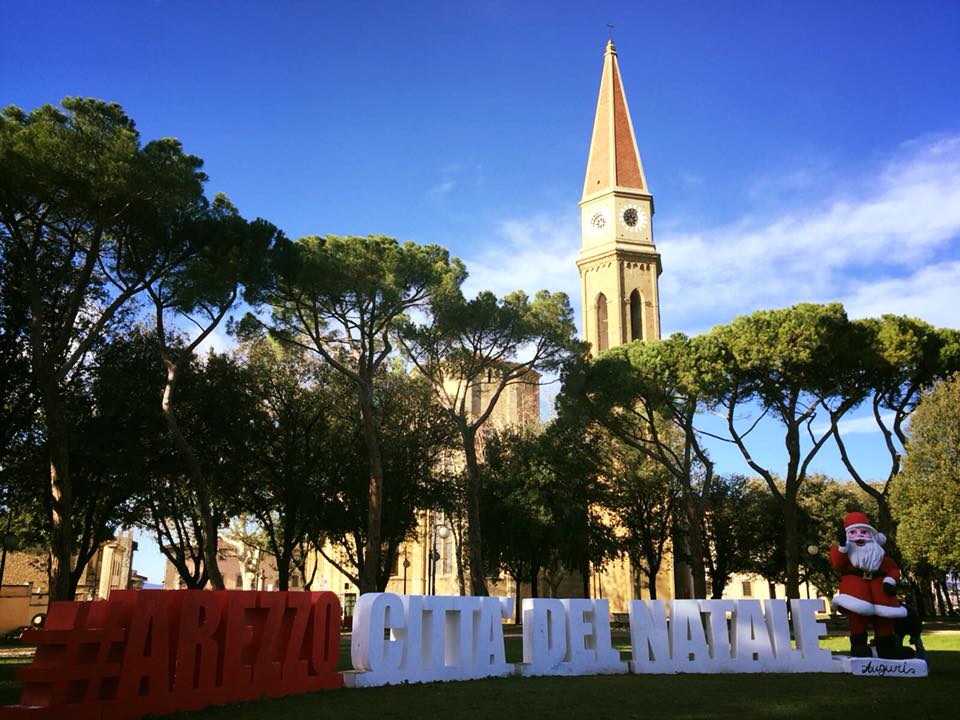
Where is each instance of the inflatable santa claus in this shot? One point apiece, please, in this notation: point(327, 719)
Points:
point(867, 587)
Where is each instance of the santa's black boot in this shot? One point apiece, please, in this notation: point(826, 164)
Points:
point(858, 646)
point(889, 648)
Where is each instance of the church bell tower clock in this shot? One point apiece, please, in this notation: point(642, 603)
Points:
point(618, 262)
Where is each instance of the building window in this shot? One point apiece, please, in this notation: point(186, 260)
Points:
point(349, 602)
point(602, 339)
point(636, 316)
point(238, 582)
point(294, 581)
point(746, 588)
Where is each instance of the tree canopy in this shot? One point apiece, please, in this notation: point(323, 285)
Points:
point(926, 497)
point(341, 297)
point(85, 212)
point(790, 362)
point(471, 351)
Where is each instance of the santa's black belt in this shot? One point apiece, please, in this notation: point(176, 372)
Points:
point(865, 574)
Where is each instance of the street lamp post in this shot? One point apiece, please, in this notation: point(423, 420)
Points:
point(812, 551)
point(406, 564)
point(440, 530)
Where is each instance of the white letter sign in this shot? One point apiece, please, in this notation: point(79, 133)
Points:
point(413, 638)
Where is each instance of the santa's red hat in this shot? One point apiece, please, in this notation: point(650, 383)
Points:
point(860, 520)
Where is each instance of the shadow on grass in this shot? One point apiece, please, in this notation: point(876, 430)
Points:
point(687, 697)
point(629, 696)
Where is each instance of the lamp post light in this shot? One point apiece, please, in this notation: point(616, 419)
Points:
point(440, 530)
point(812, 551)
point(406, 564)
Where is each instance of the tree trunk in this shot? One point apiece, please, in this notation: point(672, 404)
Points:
point(693, 505)
point(207, 516)
point(478, 581)
point(456, 529)
point(534, 580)
point(370, 570)
point(389, 558)
point(211, 539)
point(885, 522)
point(718, 581)
point(918, 603)
point(517, 600)
point(283, 570)
point(791, 542)
point(929, 598)
point(946, 594)
point(652, 584)
point(61, 494)
point(941, 605)
point(695, 543)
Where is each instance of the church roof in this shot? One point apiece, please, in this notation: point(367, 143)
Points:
point(614, 160)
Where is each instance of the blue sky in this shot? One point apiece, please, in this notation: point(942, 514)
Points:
point(796, 151)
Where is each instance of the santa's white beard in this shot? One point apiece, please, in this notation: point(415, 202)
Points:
point(866, 557)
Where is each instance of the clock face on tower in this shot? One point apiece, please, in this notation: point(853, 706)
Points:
point(598, 222)
point(632, 218)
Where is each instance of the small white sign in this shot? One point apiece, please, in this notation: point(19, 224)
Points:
point(878, 667)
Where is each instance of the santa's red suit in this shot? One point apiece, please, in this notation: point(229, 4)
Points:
point(866, 596)
point(861, 592)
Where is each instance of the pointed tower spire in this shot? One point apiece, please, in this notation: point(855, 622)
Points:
point(614, 160)
point(619, 263)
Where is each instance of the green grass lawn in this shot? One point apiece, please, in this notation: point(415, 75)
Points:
point(624, 696)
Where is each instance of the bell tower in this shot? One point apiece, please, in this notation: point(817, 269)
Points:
point(618, 262)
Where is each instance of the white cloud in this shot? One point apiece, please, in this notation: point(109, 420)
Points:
point(886, 241)
point(860, 246)
point(442, 188)
point(538, 253)
point(455, 176)
point(931, 293)
point(865, 424)
point(531, 254)
point(690, 179)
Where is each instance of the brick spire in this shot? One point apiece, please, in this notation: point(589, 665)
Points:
point(614, 160)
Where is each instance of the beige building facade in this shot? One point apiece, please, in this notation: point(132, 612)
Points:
point(23, 594)
point(242, 566)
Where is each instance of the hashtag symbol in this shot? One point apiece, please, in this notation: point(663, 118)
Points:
point(78, 655)
point(120, 658)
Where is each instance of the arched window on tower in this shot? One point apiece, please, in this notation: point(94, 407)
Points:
point(636, 316)
point(603, 340)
